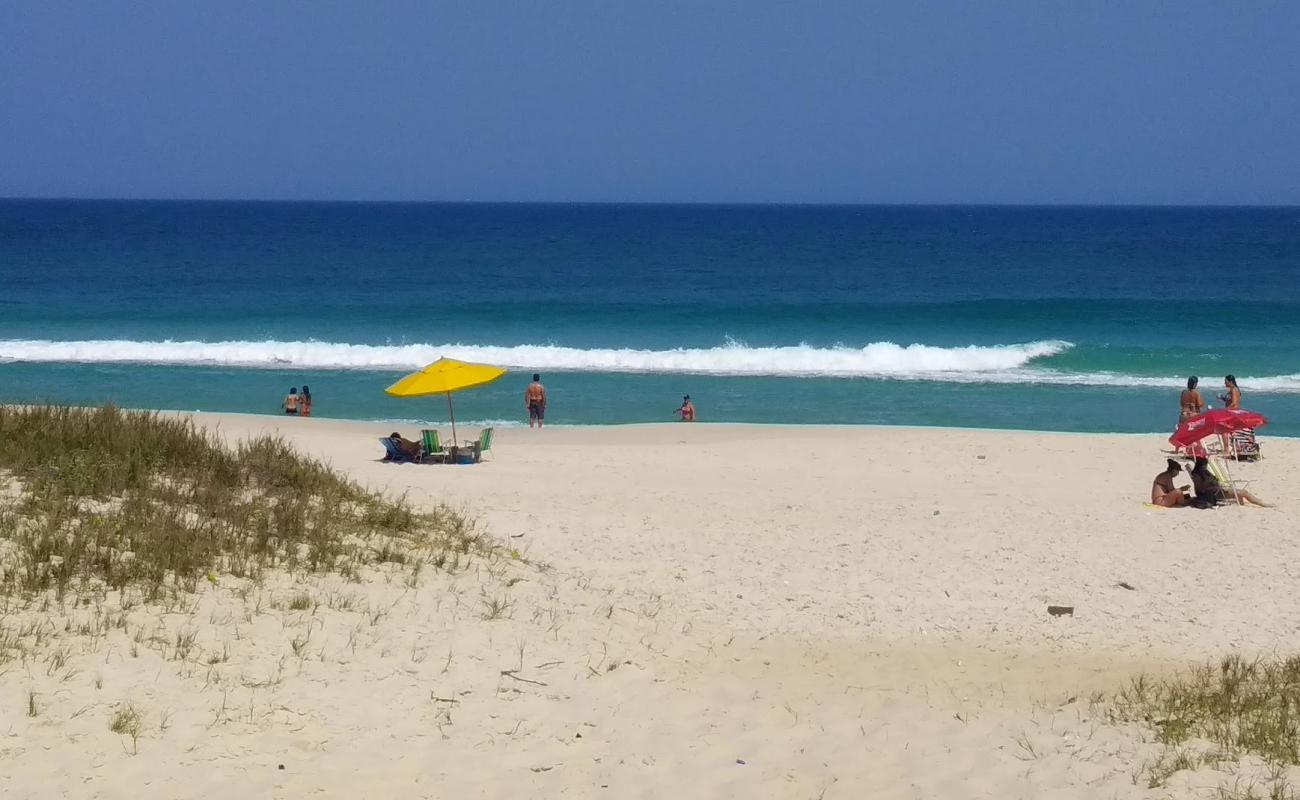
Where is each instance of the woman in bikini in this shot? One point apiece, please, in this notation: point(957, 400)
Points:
point(1163, 492)
point(1232, 396)
point(304, 402)
point(1190, 403)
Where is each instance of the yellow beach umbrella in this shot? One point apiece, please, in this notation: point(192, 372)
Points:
point(444, 376)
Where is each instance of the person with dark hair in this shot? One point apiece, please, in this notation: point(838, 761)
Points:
point(1163, 492)
point(1189, 402)
point(290, 404)
point(535, 401)
point(410, 449)
point(687, 409)
point(304, 402)
point(1209, 492)
point(1241, 444)
point(1232, 396)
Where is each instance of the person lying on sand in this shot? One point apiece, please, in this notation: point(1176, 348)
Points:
point(409, 448)
point(1211, 492)
point(1163, 492)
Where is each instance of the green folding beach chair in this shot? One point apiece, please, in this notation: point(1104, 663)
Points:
point(481, 446)
point(1219, 470)
point(433, 447)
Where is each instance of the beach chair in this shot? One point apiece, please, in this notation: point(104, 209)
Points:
point(1220, 473)
point(394, 453)
point(1244, 446)
point(433, 450)
point(483, 445)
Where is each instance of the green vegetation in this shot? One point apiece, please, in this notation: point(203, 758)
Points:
point(128, 721)
point(111, 498)
point(1218, 713)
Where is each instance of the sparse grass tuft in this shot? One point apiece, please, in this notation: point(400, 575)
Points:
point(497, 607)
point(128, 721)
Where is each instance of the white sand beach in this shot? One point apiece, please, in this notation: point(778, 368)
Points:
point(696, 611)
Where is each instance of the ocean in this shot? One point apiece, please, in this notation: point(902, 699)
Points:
point(1044, 318)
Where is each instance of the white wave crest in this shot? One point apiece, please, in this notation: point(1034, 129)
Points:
point(1273, 384)
point(1009, 364)
point(881, 359)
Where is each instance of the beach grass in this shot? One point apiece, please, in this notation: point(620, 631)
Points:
point(1220, 712)
point(112, 499)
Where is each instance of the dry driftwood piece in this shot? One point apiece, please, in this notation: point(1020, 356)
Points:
point(1058, 611)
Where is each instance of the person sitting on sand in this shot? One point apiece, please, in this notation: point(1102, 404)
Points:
point(1190, 402)
point(410, 449)
point(1210, 492)
point(687, 409)
point(1163, 492)
point(290, 404)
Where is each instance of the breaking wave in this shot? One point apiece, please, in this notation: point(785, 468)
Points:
point(1009, 363)
point(881, 359)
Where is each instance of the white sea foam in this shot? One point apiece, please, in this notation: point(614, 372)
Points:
point(883, 359)
point(1010, 363)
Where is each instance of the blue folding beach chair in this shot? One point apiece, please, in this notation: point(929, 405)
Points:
point(393, 452)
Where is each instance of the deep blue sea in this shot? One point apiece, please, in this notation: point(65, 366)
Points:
point(1081, 319)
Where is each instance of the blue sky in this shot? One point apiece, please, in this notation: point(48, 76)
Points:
point(757, 101)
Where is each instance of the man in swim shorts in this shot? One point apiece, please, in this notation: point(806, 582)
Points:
point(535, 401)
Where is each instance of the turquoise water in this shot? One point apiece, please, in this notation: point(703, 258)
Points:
point(1046, 318)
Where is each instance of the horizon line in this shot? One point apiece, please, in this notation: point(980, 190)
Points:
point(699, 203)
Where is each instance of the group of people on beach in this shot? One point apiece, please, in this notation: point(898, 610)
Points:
point(1190, 402)
point(297, 403)
point(1206, 489)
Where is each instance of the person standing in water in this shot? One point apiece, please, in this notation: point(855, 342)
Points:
point(304, 402)
point(1189, 402)
point(290, 404)
point(1232, 396)
point(1241, 444)
point(535, 401)
point(687, 409)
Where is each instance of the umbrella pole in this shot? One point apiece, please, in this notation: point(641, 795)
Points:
point(452, 413)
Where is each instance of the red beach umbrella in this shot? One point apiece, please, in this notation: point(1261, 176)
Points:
point(1213, 422)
